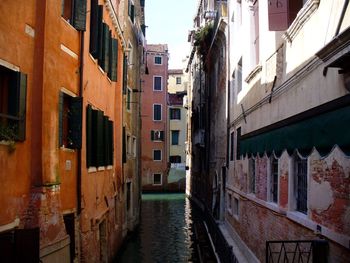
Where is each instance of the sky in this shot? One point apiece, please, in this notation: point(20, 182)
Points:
point(168, 22)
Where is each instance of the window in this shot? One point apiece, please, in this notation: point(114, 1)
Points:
point(74, 11)
point(157, 83)
point(128, 144)
point(158, 60)
point(178, 80)
point(175, 114)
point(128, 196)
point(128, 99)
point(157, 135)
point(157, 155)
point(229, 203)
point(300, 184)
point(239, 76)
point(252, 175)
point(70, 121)
point(157, 112)
point(274, 180)
point(235, 206)
point(13, 89)
point(134, 146)
point(282, 13)
point(232, 140)
point(103, 46)
point(175, 137)
point(99, 139)
point(157, 179)
point(131, 11)
point(175, 159)
point(254, 20)
point(238, 144)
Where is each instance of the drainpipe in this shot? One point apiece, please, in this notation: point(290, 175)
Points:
point(341, 17)
point(81, 77)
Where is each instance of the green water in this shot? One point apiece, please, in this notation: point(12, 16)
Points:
point(165, 232)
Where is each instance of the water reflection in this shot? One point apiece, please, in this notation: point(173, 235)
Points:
point(165, 233)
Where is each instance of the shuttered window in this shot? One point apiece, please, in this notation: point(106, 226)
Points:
point(13, 91)
point(157, 135)
point(157, 83)
point(131, 11)
point(99, 138)
point(103, 46)
point(70, 121)
point(74, 11)
point(282, 13)
point(125, 74)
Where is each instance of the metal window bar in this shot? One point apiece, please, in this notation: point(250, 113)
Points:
point(301, 185)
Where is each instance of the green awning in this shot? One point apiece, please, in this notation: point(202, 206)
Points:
point(322, 132)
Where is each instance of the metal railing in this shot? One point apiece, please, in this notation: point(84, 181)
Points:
point(222, 248)
point(293, 251)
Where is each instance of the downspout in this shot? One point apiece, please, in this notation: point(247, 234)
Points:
point(81, 77)
point(341, 17)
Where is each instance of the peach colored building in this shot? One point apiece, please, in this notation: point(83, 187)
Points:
point(154, 149)
point(61, 105)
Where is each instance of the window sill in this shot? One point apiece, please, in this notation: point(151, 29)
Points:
point(65, 149)
point(302, 17)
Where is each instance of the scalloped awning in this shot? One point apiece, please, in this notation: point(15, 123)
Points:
point(322, 132)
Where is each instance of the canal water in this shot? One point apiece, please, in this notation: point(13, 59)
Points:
point(165, 234)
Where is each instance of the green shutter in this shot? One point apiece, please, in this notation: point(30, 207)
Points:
point(60, 119)
point(79, 19)
point(112, 73)
point(94, 28)
point(132, 13)
point(100, 139)
point(100, 34)
point(125, 74)
point(152, 135)
point(105, 49)
point(124, 146)
point(111, 142)
point(89, 136)
point(105, 141)
point(94, 138)
point(162, 135)
point(75, 122)
point(21, 131)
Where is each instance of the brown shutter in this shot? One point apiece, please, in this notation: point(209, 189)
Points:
point(278, 15)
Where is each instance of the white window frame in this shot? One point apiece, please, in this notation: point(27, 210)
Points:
point(161, 109)
point(161, 60)
point(161, 179)
point(161, 155)
point(161, 83)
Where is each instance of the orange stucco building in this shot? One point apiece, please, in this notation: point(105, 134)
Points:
point(61, 111)
point(154, 151)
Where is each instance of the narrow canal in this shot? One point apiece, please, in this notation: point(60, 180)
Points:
point(166, 231)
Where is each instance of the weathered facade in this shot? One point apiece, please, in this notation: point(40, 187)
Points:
point(208, 125)
point(155, 125)
point(268, 151)
point(288, 164)
point(177, 89)
point(61, 115)
point(132, 13)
